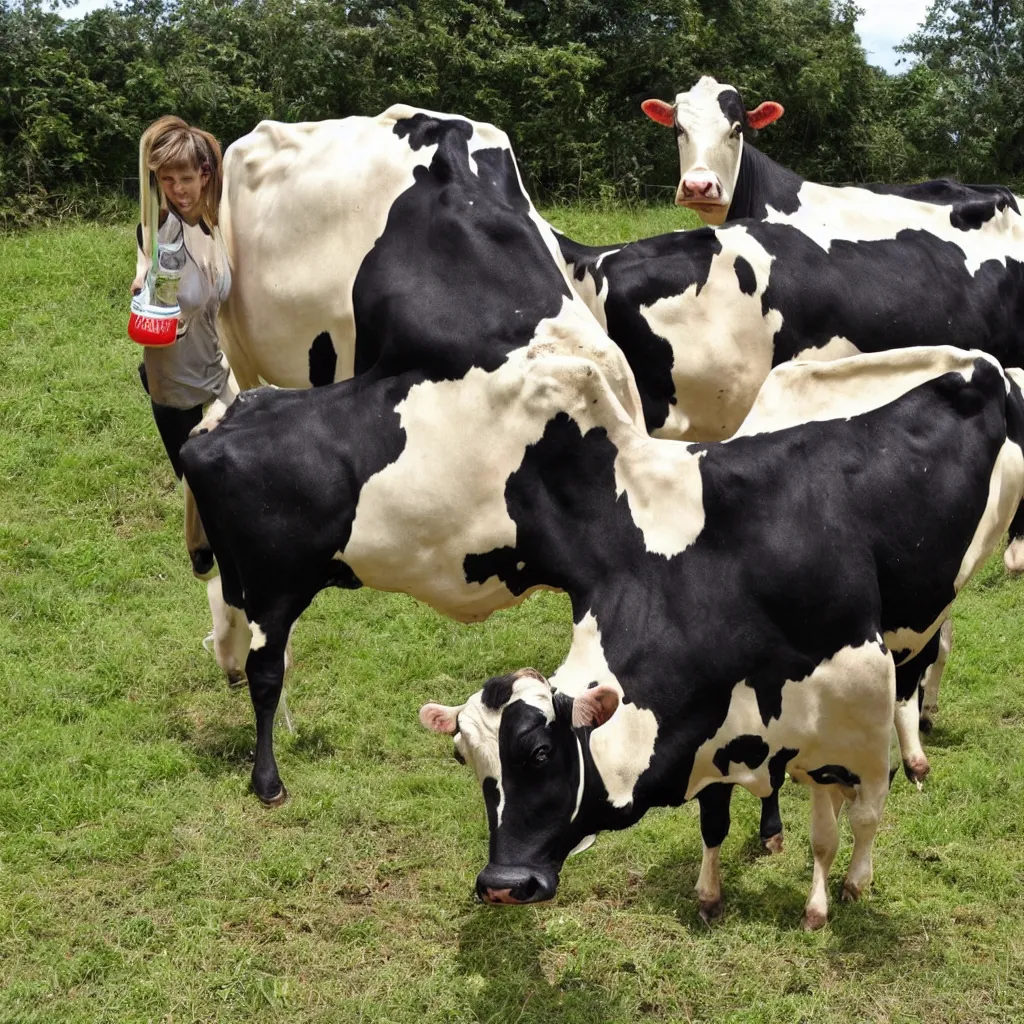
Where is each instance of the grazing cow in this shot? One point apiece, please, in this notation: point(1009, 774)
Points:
point(722, 177)
point(737, 606)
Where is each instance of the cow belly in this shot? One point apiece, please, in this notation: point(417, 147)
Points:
point(839, 715)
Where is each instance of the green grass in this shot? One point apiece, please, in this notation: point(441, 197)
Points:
point(140, 881)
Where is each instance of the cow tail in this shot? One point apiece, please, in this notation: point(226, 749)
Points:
point(1013, 557)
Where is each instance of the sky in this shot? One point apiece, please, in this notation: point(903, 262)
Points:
point(883, 24)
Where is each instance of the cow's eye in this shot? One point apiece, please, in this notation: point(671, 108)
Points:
point(541, 754)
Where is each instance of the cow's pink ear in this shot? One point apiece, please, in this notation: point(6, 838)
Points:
point(765, 114)
point(660, 111)
point(594, 706)
point(439, 718)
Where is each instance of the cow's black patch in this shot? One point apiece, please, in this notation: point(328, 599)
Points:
point(747, 749)
point(323, 360)
point(461, 275)
point(732, 107)
point(910, 674)
point(777, 766)
point(745, 276)
point(834, 774)
point(497, 692)
point(637, 276)
point(860, 293)
point(423, 130)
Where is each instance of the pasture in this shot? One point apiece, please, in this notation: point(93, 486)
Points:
point(140, 881)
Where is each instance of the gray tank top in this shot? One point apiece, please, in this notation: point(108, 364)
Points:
point(192, 371)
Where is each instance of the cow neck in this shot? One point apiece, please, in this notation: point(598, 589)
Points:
point(595, 808)
point(761, 183)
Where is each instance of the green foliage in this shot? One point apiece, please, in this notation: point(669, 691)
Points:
point(564, 78)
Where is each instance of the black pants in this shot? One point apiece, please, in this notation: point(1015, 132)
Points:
point(173, 425)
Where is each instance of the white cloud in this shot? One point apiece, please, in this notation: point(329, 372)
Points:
point(884, 24)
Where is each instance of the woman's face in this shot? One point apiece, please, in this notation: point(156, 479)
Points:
point(184, 187)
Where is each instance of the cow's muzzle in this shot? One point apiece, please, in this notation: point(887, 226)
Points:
point(498, 883)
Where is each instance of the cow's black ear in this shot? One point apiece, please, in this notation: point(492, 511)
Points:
point(563, 708)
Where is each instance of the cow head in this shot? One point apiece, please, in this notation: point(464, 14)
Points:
point(526, 743)
point(709, 122)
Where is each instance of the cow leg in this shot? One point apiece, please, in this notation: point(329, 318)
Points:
point(230, 634)
point(1013, 556)
point(264, 668)
point(909, 677)
point(714, 827)
point(865, 812)
point(930, 687)
point(771, 823)
point(824, 844)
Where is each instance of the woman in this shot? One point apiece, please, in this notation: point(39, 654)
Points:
point(184, 165)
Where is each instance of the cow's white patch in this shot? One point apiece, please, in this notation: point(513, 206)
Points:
point(828, 214)
point(910, 640)
point(663, 483)
point(622, 748)
point(840, 714)
point(1006, 487)
point(259, 638)
point(444, 497)
point(811, 391)
point(583, 779)
point(722, 342)
point(835, 348)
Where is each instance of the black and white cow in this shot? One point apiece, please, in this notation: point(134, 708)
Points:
point(391, 478)
point(737, 606)
point(412, 230)
point(702, 316)
point(723, 177)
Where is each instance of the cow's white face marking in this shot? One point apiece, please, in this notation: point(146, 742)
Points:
point(710, 149)
point(811, 391)
point(478, 726)
point(827, 214)
point(722, 342)
point(839, 714)
point(622, 748)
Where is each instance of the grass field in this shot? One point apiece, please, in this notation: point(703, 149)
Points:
point(140, 881)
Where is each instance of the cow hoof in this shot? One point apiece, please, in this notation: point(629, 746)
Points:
point(202, 563)
point(275, 801)
point(236, 680)
point(1013, 557)
point(851, 893)
point(814, 920)
point(917, 769)
point(773, 844)
point(711, 910)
